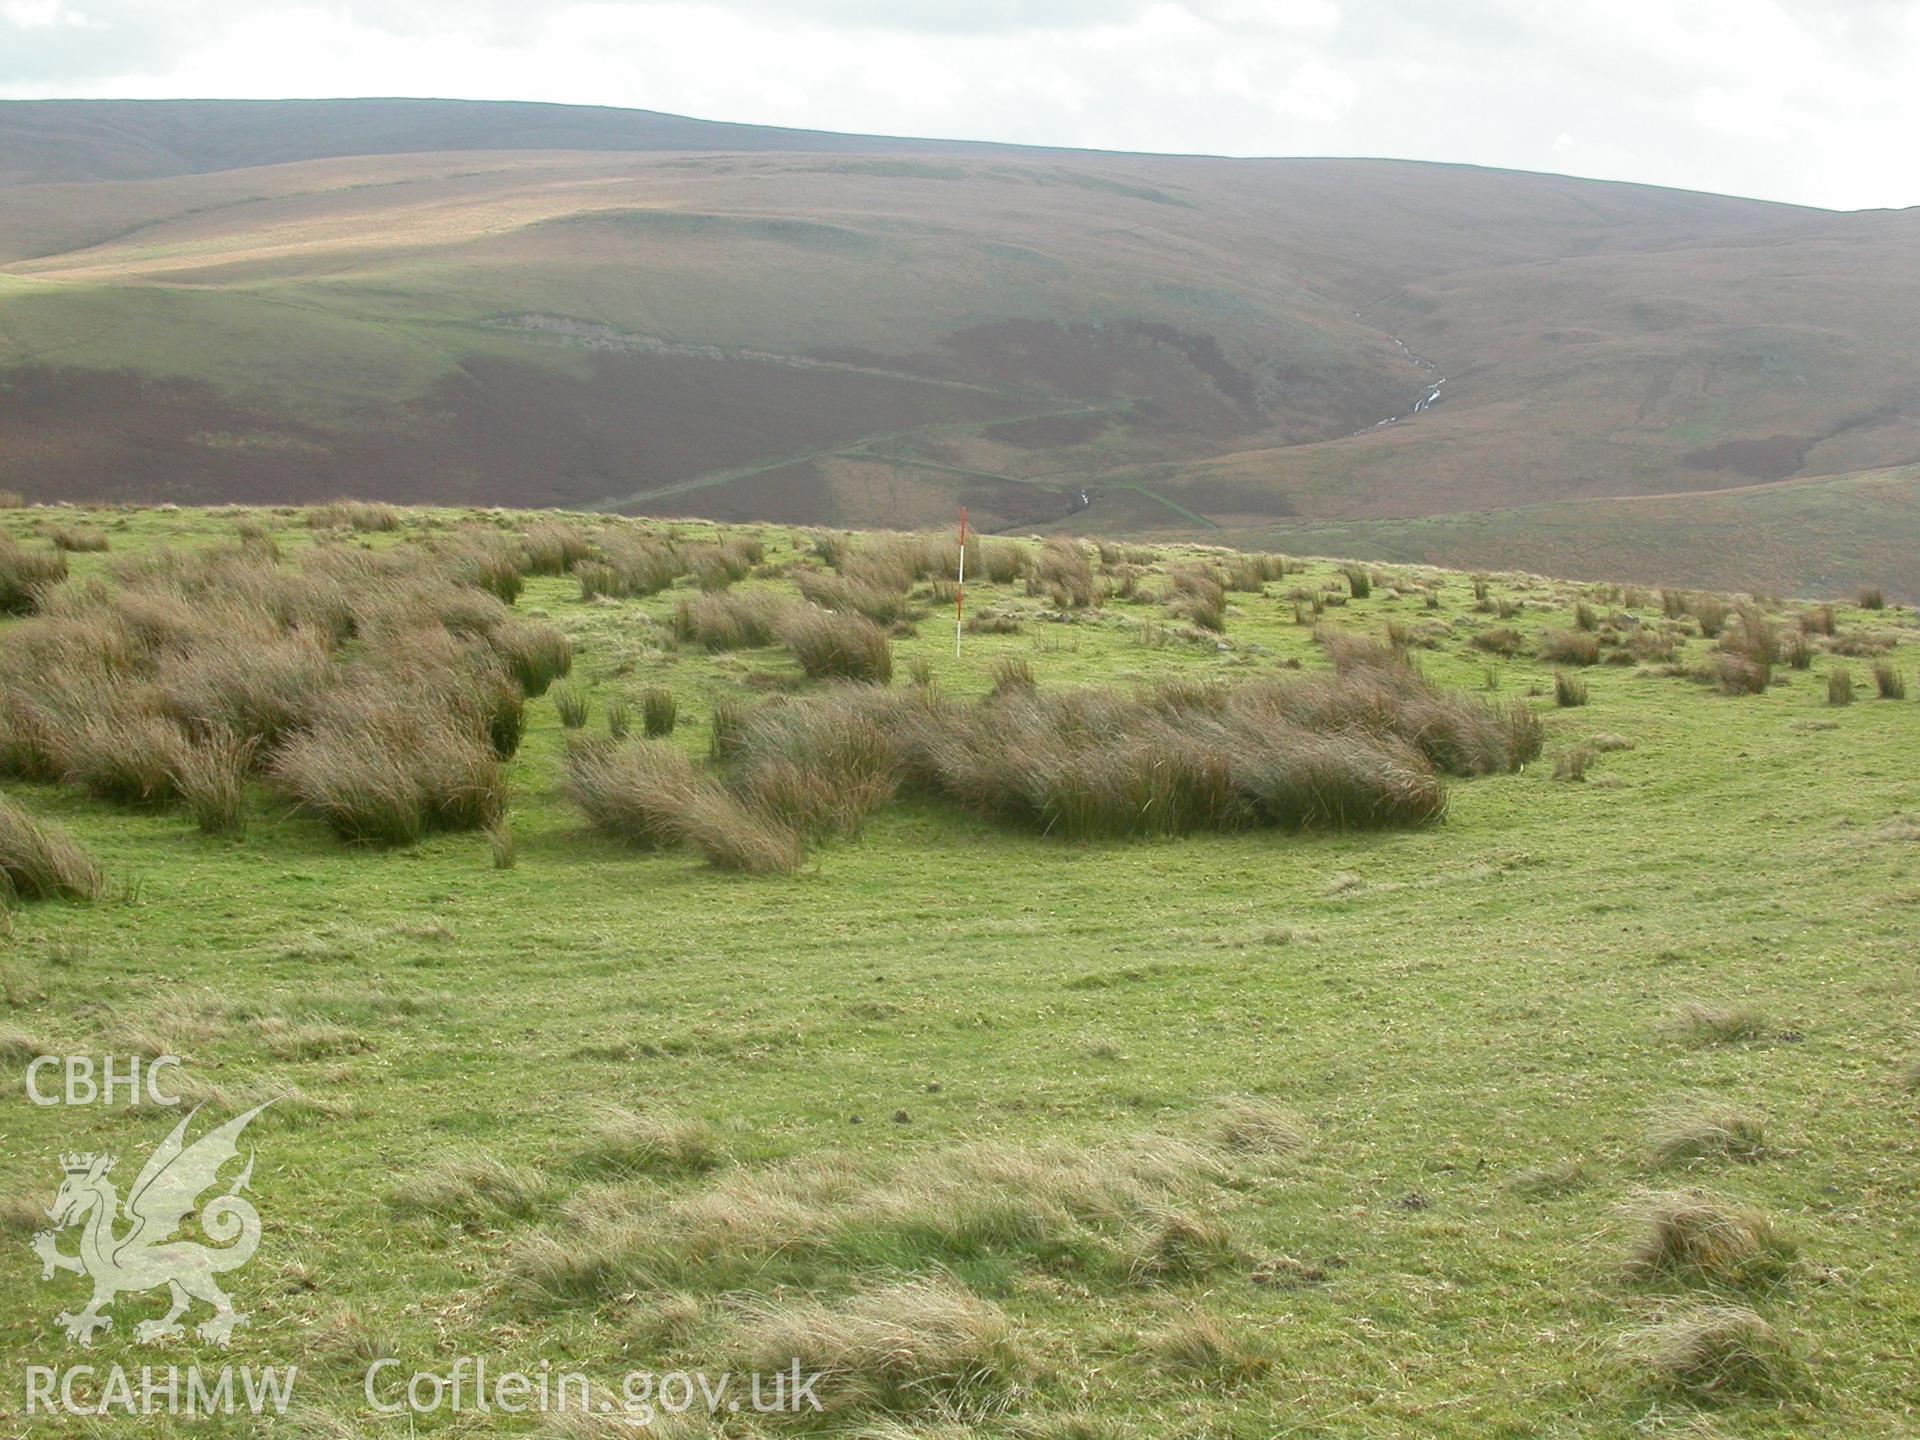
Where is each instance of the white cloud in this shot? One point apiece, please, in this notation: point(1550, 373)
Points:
point(1808, 100)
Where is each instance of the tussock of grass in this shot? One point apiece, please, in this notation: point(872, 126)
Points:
point(1839, 686)
point(659, 712)
point(474, 1189)
point(637, 792)
point(384, 768)
point(552, 547)
point(1573, 763)
point(124, 754)
point(1251, 1125)
point(1200, 1344)
point(630, 1142)
point(905, 1346)
point(1570, 647)
point(1199, 596)
point(1132, 1213)
point(633, 566)
point(1698, 1238)
point(1063, 574)
point(1888, 680)
point(735, 836)
point(1697, 1023)
point(26, 575)
point(358, 515)
point(874, 594)
point(730, 621)
point(1718, 1350)
point(40, 861)
point(570, 704)
point(1013, 675)
point(535, 655)
point(258, 687)
point(78, 539)
point(837, 647)
point(210, 778)
point(1568, 690)
point(1705, 1131)
point(1501, 640)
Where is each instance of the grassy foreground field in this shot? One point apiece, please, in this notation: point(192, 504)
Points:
point(1249, 1134)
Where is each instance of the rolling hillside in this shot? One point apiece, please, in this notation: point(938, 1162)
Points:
point(546, 305)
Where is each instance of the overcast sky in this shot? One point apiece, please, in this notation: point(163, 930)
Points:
point(1816, 101)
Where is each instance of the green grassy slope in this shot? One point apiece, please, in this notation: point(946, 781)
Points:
point(1471, 1021)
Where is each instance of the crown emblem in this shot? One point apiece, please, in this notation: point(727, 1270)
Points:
point(81, 1163)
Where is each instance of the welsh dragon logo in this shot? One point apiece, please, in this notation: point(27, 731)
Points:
point(145, 1255)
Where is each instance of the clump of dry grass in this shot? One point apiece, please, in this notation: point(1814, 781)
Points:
point(382, 766)
point(1698, 1238)
point(1705, 1130)
point(716, 566)
point(1573, 763)
point(26, 575)
point(659, 712)
point(1125, 1213)
point(12, 500)
point(1718, 1350)
point(1500, 640)
point(633, 565)
point(1013, 675)
point(40, 861)
point(570, 704)
point(873, 592)
point(1359, 582)
point(637, 792)
point(1568, 690)
point(1363, 749)
point(1817, 620)
point(730, 621)
point(1001, 562)
point(630, 1142)
point(1872, 598)
point(1202, 1344)
point(1839, 686)
point(78, 539)
point(1709, 611)
point(908, 1345)
point(535, 655)
point(258, 687)
point(358, 515)
point(485, 560)
point(1570, 647)
point(1063, 573)
point(733, 835)
point(501, 845)
point(1254, 1125)
point(472, 1188)
point(837, 647)
point(1200, 597)
point(553, 548)
point(210, 778)
point(1888, 680)
point(122, 753)
point(1697, 1023)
